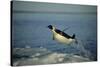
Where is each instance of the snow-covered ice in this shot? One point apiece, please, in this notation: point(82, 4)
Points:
point(37, 56)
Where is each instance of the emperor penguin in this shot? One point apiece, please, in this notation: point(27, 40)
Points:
point(61, 36)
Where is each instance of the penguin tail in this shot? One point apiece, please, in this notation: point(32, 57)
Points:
point(73, 37)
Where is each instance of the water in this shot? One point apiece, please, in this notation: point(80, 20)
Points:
point(30, 30)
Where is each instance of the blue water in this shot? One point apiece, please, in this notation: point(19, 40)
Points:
point(30, 29)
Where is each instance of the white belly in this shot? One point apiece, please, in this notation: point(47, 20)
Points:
point(62, 39)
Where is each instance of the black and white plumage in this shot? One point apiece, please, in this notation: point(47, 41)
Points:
point(61, 36)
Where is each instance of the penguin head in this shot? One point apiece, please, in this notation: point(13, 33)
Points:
point(50, 27)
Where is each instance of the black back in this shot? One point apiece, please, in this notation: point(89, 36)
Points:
point(62, 33)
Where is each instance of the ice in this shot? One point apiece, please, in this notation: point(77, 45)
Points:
point(37, 56)
point(53, 58)
point(60, 59)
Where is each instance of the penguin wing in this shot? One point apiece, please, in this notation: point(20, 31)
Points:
point(62, 33)
point(53, 37)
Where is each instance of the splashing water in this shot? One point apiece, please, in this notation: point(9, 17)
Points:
point(81, 47)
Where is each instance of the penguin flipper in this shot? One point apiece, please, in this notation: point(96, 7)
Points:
point(53, 37)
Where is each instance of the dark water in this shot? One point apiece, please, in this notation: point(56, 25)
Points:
point(30, 30)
